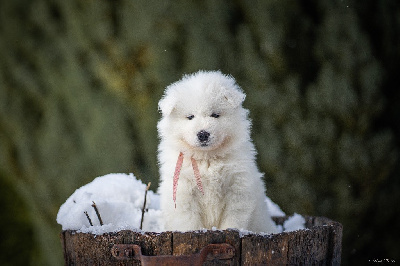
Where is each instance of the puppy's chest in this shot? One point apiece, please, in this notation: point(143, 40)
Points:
point(216, 183)
point(209, 172)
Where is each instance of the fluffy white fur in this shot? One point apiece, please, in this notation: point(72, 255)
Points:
point(233, 187)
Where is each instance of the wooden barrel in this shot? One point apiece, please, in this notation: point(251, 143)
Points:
point(318, 244)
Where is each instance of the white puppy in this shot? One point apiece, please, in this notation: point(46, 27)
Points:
point(205, 142)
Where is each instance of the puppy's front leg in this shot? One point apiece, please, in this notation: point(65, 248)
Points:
point(237, 212)
point(186, 216)
point(183, 221)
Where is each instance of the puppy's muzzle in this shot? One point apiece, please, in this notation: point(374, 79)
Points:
point(203, 137)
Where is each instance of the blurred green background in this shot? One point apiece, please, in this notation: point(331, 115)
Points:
point(80, 81)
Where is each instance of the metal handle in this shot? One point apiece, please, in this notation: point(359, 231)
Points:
point(222, 251)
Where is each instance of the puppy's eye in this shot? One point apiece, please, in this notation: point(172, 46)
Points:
point(215, 115)
point(190, 117)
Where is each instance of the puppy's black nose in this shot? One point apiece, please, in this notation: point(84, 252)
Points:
point(203, 136)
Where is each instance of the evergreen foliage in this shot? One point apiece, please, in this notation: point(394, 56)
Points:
point(80, 82)
point(16, 229)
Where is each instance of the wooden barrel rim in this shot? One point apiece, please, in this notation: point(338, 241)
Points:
point(318, 243)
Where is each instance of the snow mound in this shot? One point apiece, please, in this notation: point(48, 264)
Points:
point(119, 200)
point(293, 223)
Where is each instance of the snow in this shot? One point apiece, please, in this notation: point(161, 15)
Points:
point(293, 223)
point(119, 200)
point(273, 208)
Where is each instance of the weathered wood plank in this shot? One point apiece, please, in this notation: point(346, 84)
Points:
point(192, 242)
point(88, 249)
point(335, 242)
point(308, 247)
point(270, 249)
point(320, 244)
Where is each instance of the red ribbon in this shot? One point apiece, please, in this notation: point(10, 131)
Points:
point(178, 168)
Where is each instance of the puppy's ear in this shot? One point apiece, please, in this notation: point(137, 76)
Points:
point(234, 96)
point(167, 104)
